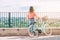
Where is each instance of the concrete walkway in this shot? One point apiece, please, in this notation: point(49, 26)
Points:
point(22, 32)
point(53, 37)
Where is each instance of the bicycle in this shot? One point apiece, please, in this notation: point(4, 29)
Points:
point(42, 26)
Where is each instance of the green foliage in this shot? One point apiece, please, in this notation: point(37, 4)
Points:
point(15, 22)
point(20, 23)
point(55, 24)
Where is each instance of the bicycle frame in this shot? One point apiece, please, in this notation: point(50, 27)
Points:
point(43, 26)
point(40, 24)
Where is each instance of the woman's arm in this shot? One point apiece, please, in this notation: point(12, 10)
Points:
point(37, 17)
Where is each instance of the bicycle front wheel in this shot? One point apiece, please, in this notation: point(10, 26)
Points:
point(47, 29)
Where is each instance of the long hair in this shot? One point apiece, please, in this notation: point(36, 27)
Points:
point(31, 9)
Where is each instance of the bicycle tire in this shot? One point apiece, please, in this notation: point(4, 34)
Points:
point(47, 30)
point(34, 34)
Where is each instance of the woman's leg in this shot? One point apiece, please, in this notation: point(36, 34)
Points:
point(31, 25)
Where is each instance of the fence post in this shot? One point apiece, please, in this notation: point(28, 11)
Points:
point(9, 20)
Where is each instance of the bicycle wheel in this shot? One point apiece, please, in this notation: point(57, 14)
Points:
point(47, 29)
point(34, 33)
point(29, 33)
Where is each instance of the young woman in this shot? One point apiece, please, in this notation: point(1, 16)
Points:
point(30, 17)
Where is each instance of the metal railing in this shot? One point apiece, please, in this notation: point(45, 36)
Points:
point(12, 19)
point(15, 19)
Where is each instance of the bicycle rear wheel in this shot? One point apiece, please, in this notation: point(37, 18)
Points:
point(34, 33)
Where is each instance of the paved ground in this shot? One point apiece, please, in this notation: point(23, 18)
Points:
point(54, 37)
point(12, 32)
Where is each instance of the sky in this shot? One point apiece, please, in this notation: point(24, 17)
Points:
point(50, 6)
